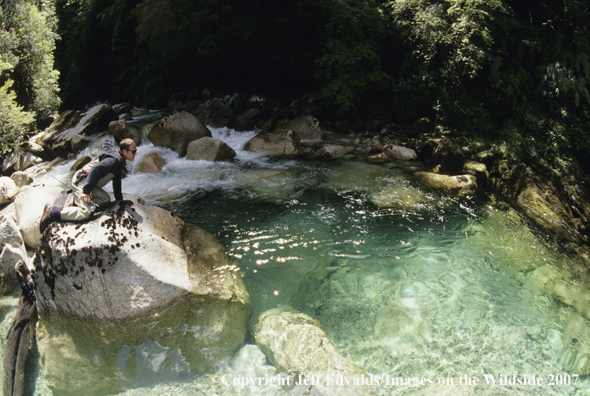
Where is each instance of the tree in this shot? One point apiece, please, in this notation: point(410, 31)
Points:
point(27, 42)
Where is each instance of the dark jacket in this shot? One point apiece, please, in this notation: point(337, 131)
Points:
point(110, 166)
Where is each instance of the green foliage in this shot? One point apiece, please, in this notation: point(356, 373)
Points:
point(29, 90)
point(14, 121)
point(453, 36)
point(350, 66)
point(27, 42)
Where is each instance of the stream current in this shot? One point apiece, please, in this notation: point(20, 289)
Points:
point(412, 286)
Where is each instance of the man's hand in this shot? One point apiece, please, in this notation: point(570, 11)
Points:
point(86, 198)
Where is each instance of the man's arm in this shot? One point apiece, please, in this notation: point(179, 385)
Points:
point(100, 170)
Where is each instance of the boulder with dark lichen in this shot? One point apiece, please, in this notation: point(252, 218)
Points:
point(133, 280)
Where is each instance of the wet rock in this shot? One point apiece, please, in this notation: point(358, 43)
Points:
point(462, 185)
point(249, 118)
point(138, 285)
point(478, 170)
point(294, 342)
point(216, 112)
point(379, 158)
point(121, 108)
point(332, 151)
point(122, 129)
point(546, 207)
point(19, 160)
point(270, 185)
point(279, 143)
point(176, 131)
point(400, 324)
point(209, 149)
point(79, 143)
point(80, 162)
point(8, 190)
point(58, 137)
point(306, 126)
point(151, 163)
point(13, 251)
point(401, 153)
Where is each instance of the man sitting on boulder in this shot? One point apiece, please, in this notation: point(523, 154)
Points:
point(87, 185)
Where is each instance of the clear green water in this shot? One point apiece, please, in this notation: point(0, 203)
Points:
point(435, 288)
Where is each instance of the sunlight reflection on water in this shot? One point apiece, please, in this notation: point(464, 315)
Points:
point(420, 286)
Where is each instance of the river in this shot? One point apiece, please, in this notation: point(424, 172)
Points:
point(414, 287)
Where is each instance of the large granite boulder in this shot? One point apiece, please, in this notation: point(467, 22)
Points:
point(306, 126)
point(71, 123)
point(294, 342)
point(461, 185)
point(28, 207)
point(177, 130)
point(279, 143)
point(130, 288)
point(122, 129)
point(209, 149)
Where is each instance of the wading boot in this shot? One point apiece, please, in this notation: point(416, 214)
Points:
point(50, 214)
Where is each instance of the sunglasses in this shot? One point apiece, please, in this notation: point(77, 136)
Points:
point(132, 151)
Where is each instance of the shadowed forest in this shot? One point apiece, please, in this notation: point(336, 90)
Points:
point(516, 71)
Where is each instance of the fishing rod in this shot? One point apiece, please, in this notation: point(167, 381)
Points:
point(55, 178)
point(91, 206)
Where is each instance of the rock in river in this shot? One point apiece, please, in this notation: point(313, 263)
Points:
point(134, 287)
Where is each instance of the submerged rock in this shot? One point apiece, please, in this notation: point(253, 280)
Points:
point(294, 342)
point(555, 283)
point(131, 285)
point(355, 175)
point(398, 197)
point(271, 185)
